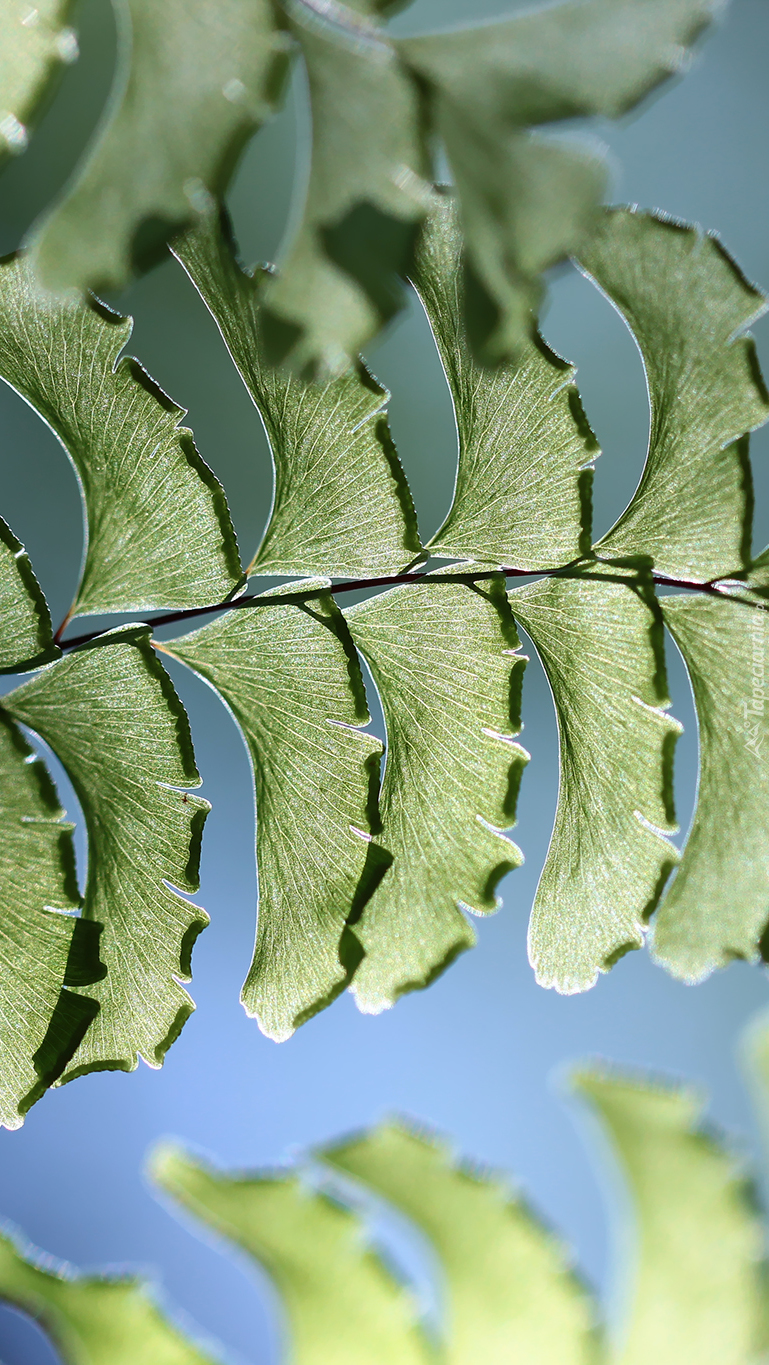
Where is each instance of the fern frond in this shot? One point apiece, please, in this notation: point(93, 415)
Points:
point(158, 528)
point(111, 715)
point(444, 659)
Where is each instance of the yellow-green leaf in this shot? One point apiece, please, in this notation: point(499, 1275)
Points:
point(93, 1320)
point(342, 506)
point(36, 42)
point(688, 306)
point(42, 948)
point(341, 1302)
point(509, 1292)
point(111, 715)
point(158, 528)
point(528, 200)
point(443, 656)
point(367, 194)
point(194, 80)
point(693, 1274)
point(289, 674)
point(601, 646)
point(26, 640)
point(718, 905)
point(523, 490)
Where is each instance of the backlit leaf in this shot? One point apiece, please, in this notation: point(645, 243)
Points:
point(688, 307)
point(159, 531)
point(26, 638)
point(366, 197)
point(718, 905)
point(342, 505)
point(92, 1320)
point(194, 80)
point(291, 678)
point(443, 656)
point(601, 647)
point(35, 44)
point(341, 1302)
point(41, 948)
point(527, 201)
point(524, 480)
point(510, 1295)
point(695, 1288)
point(110, 714)
point(688, 1233)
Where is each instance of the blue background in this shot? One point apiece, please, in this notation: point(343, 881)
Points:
point(477, 1053)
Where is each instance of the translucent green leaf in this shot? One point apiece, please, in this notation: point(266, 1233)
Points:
point(510, 1295)
point(35, 44)
point(342, 505)
point(688, 306)
point(524, 480)
point(527, 201)
point(695, 1289)
point(159, 531)
point(443, 657)
point(718, 905)
point(41, 948)
point(26, 638)
point(342, 1303)
point(290, 676)
point(92, 1320)
point(194, 80)
point(366, 197)
point(110, 713)
point(601, 647)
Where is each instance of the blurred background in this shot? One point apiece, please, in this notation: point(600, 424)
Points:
point(484, 1053)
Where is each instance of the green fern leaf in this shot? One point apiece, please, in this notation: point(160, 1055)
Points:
point(41, 1023)
point(290, 676)
point(92, 1320)
point(342, 505)
point(366, 197)
point(696, 1293)
point(526, 201)
point(110, 714)
point(341, 1301)
point(601, 647)
point(523, 492)
point(693, 1282)
point(135, 464)
point(688, 306)
point(35, 44)
point(443, 658)
point(26, 640)
point(718, 905)
point(510, 1295)
point(194, 80)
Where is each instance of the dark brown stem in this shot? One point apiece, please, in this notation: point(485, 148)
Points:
point(574, 570)
point(58, 633)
